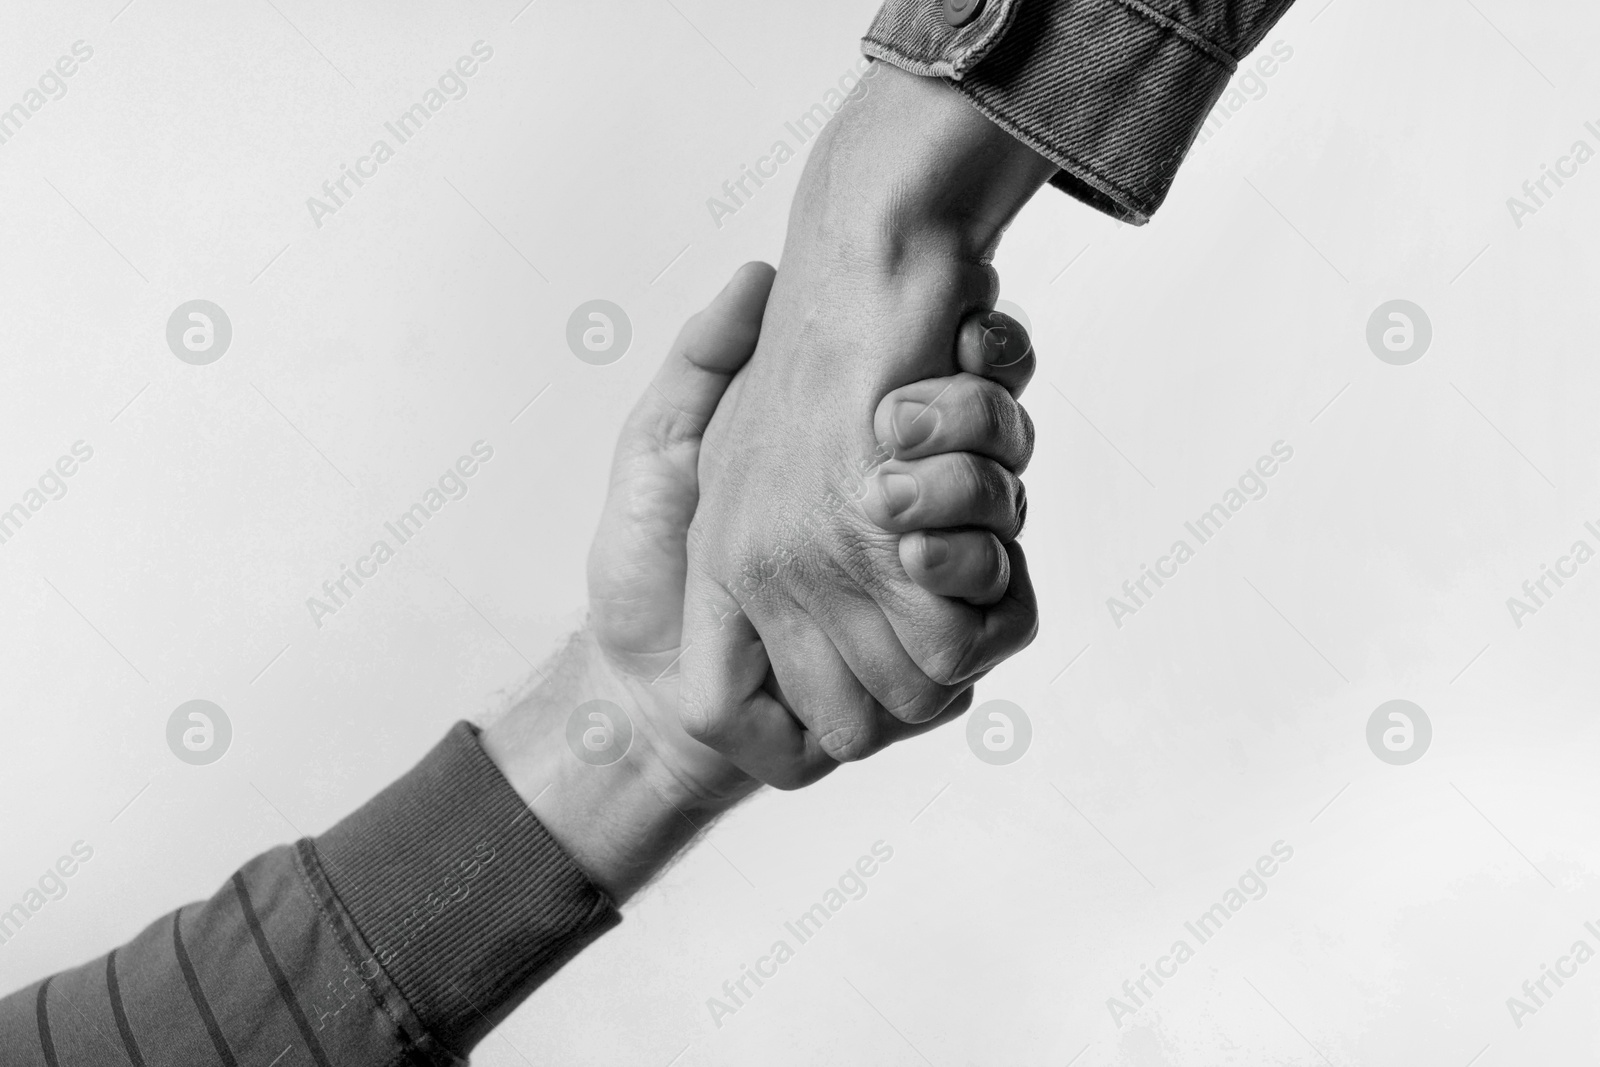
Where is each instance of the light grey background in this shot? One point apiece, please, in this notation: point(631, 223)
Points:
point(1228, 714)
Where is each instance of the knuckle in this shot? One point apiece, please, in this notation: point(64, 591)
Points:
point(700, 724)
point(997, 488)
point(658, 424)
point(945, 664)
point(861, 563)
point(993, 413)
point(944, 668)
point(939, 645)
point(1027, 437)
point(850, 741)
point(1007, 434)
point(974, 482)
point(987, 655)
point(875, 507)
point(922, 703)
point(996, 569)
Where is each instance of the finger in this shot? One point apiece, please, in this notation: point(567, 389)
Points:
point(724, 703)
point(708, 351)
point(954, 710)
point(958, 705)
point(970, 565)
point(873, 652)
point(658, 452)
point(993, 345)
point(963, 413)
point(954, 643)
point(847, 723)
point(1008, 626)
point(945, 491)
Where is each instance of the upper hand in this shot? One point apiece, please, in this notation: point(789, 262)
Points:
point(808, 638)
point(639, 558)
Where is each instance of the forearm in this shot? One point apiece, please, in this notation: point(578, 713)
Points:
point(410, 927)
point(912, 169)
point(900, 208)
point(406, 930)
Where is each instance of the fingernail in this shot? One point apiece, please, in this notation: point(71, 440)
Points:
point(913, 423)
point(935, 550)
point(899, 492)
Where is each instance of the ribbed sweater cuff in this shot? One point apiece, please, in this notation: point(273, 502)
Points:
point(460, 894)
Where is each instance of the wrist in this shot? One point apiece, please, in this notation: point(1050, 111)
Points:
point(693, 776)
point(621, 808)
point(913, 167)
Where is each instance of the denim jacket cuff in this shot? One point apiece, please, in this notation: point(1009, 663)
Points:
point(1113, 92)
point(914, 36)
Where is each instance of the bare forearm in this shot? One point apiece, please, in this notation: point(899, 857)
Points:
point(623, 815)
point(900, 209)
point(913, 168)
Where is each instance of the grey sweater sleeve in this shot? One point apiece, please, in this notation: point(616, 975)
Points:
point(400, 936)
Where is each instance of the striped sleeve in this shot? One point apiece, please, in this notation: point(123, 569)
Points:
point(400, 936)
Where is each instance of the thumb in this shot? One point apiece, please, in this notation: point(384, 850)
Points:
point(639, 559)
point(710, 349)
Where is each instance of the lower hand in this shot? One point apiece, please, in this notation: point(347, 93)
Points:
point(620, 821)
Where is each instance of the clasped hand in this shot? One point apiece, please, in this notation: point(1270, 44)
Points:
point(827, 579)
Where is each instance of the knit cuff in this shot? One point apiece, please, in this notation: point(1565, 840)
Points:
point(460, 894)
